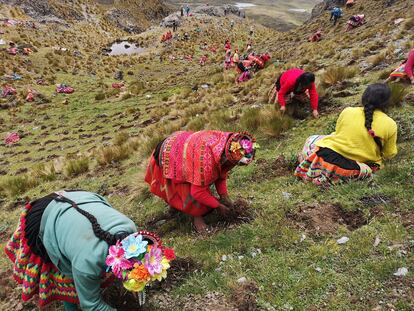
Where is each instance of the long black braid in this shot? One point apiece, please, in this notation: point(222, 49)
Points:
point(101, 234)
point(376, 96)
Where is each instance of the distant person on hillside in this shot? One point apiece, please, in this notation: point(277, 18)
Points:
point(294, 87)
point(316, 37)
point(336, 14)
point(227, 45)
point(251, 31)
point(355, 21)
point(182, 11)
point(232, 24)
point(227, 60)
point(174, 25)
point(363, 139)
point(66, 245)
point(405, 70)
point(236, 57)
point(350, 3)
point(185, 165)
point(187, 9)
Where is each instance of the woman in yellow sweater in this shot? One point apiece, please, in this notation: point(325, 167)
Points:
point(364, 137)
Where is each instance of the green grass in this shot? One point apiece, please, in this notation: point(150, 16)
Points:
point(117, 133)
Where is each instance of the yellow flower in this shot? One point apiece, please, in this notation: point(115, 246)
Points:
point(134, 286)
point(163, 275)
point(235, 146)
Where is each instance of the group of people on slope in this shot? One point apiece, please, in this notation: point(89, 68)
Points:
point(53, 261)
point(353, 22)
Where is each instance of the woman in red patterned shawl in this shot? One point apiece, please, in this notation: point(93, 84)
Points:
point(184, 166)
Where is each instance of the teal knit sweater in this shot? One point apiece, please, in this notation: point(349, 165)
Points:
point(75, 250)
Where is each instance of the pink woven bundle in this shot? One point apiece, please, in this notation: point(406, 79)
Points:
point(11, 138)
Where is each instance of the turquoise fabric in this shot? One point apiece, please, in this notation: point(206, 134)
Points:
point(75, 250)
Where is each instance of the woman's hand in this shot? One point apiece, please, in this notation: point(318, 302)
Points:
point(315, 114)
point(223, 210)
point(227, 201)
point(412, 80)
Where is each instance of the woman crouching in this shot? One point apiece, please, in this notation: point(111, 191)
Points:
point(364, 137)
point(64, 252)
point(185, 165)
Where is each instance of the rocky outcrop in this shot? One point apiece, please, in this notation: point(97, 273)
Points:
point(44, 10)
point(124, 20)
point(320, 8)
point(200, 10)
point(216, 10)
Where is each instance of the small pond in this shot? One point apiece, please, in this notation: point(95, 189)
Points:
point(244, 5)
point(124, 48)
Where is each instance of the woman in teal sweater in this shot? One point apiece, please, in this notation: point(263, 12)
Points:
point(60, 248)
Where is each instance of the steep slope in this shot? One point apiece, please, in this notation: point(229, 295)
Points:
point(283, 255)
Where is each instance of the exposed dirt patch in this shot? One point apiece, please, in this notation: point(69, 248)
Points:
point(244, 296)
point(210, 302)
point(268, 169)
point(326, 218)
point(119, 298)
point(399, 289)
point(241, 212)
point(376, 200)
point(180, 269)
point(407, 219)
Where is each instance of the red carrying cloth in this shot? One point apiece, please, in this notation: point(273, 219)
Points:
point(194, 157)
point(287, 86)
point(410, 64)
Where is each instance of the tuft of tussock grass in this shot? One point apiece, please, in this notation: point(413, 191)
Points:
point(377, 59)
point(121, 138)
point(398, 93)
point(335, 74)
point(75, 167)
point(251, 119)
point(17, 185)
point(273, 122)
point(44, 172)
point(113, 154)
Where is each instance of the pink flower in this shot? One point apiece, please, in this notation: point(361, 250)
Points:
point(247, 145)
point(152, 261)
point(117, 261)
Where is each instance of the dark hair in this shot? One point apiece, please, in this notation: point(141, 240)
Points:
point(376, 96)
point(304, 80)
point(101, 234)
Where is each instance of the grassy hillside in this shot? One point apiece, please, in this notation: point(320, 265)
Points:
point(280, 253)
point(280, 15)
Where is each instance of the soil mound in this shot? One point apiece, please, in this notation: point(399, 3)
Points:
point(326, 218)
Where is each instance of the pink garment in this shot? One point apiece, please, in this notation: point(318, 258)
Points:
point(194, 157)
point(64, 89)
point(8, 90)
point(245, 76)
point(11, 138)
point(410, 64)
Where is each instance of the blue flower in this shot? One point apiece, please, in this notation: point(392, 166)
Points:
point(134, 246)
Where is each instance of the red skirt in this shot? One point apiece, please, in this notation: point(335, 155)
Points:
point(176, 195)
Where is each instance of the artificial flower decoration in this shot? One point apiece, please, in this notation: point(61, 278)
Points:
point(139, 273)
point(135, 286)
point(247, 145)
point(169, 253)
point(116, 260)
point(138, 264)
point(152, 261)
point(134, 246)
point(235, 146)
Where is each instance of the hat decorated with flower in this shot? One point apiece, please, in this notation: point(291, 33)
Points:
point(138, 260)
point(241, 148)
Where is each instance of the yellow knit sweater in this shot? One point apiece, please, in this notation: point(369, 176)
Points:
point(352, 140)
